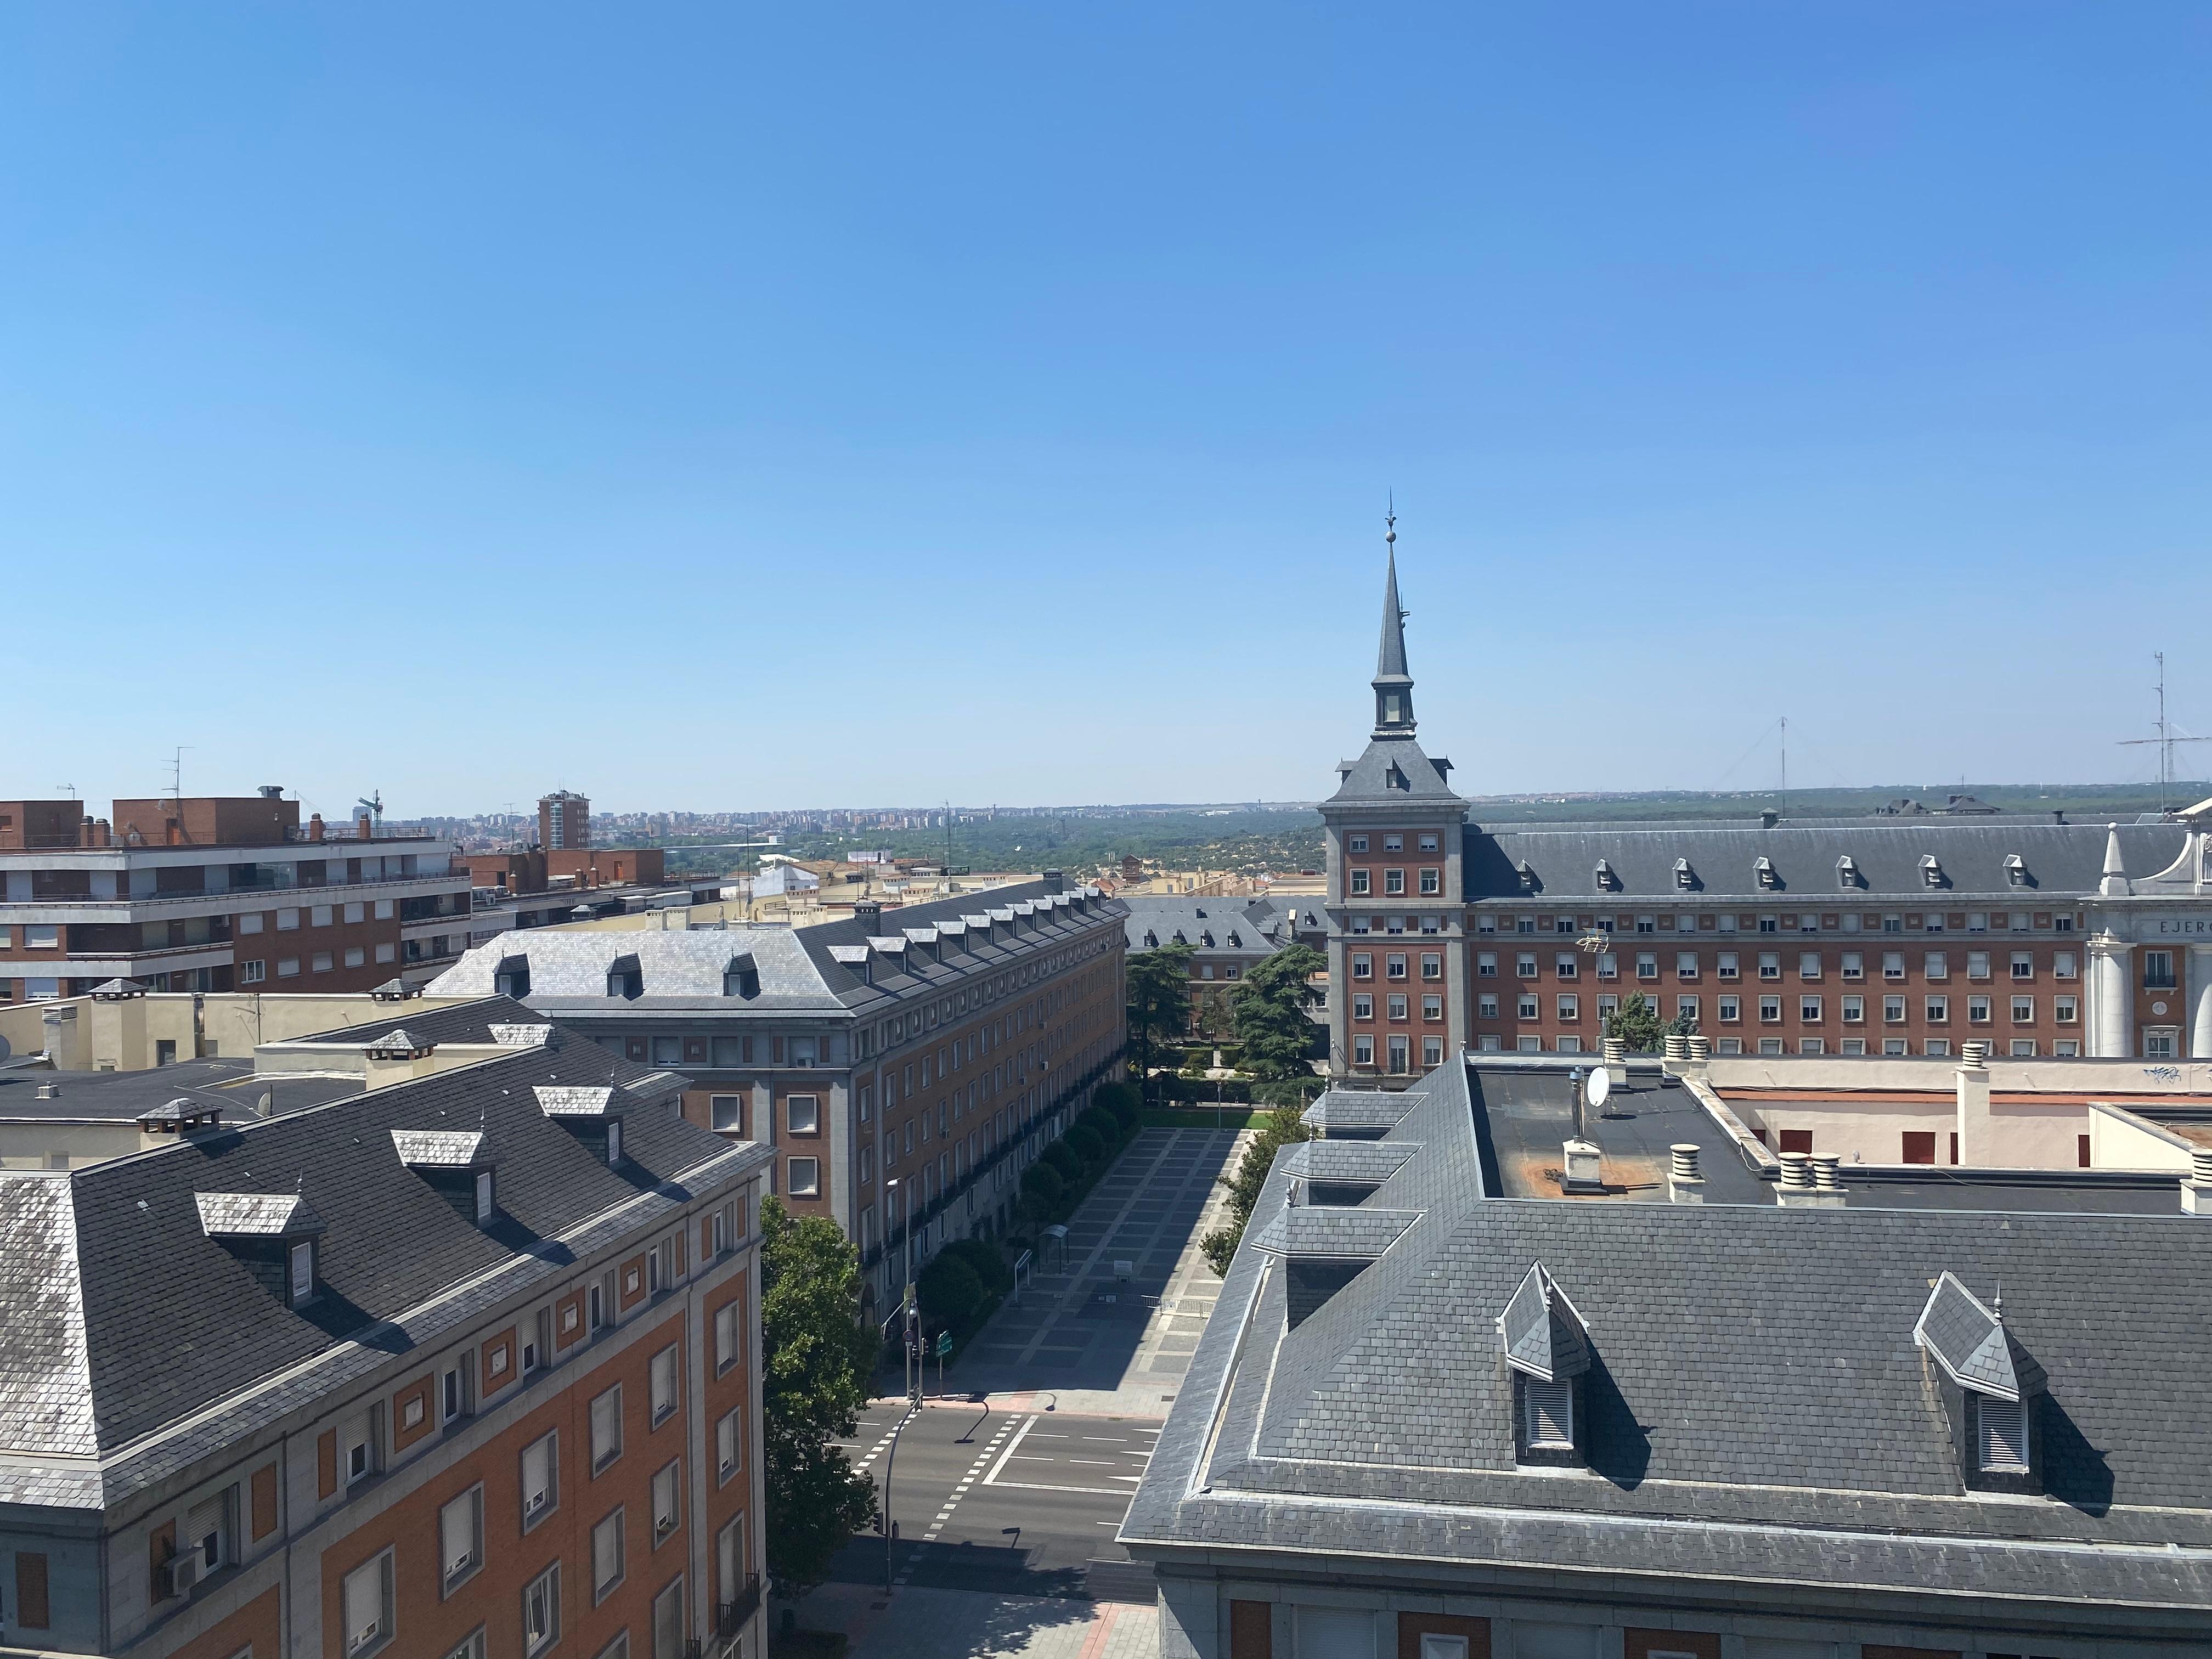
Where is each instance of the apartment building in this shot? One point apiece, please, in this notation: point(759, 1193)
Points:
point(939, 1045)
point(1891, 934)
point(219, 893)
point(564, 821)
point(464, 1364)
point(1443, 1410)
point(1228, 938)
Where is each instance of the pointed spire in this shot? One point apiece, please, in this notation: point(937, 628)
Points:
point(1393, 686)
point(2114, 882)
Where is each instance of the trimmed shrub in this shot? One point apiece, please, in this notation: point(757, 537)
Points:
point(1043, 1185)
point(986, 1261)
point(1060, 1158)
point(948, 1289)
point(1102, 1123)
point(1085, 1143)
point(1119, 1100)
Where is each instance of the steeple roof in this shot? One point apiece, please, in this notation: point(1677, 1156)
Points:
point(1390, 661)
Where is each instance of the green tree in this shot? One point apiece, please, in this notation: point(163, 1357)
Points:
point(817, 1358)
point(1271, 1023)
point(1279, 1129)
point(1159, 1000)
point(949, 1288)
point(1636, 1023)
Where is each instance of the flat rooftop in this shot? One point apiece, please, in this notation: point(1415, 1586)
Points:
point(125, 1096)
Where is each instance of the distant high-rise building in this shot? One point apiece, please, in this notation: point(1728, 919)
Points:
point(564, 820)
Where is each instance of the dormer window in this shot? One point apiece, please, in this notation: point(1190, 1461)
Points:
point(1847, 872)
point(511, 977)
point(1685, 878)
point(614, 1141)
point(1989, 1384)
point(626, 978)
point(274, 1235)
point(1608, 882)
point(1548, 1352)
point(741, 978)
point(1152, 940)
point(1394, 779)
point(456, 1164)
point(1527, 874)
point(302, 1288)
point(1762, 868)
point(1931, 872)
point(484, 1195)
point(2015, 869)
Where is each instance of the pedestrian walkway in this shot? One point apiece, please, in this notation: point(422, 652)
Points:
point(1086, 1338)
point(943, 1623)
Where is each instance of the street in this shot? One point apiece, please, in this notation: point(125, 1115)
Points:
point(1015, 1502)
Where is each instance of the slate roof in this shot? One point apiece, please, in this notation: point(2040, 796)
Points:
point(2060, 860)
point(104, 1350)
point(1758, 1410)
point(802, 970)
point(1392, 771)
point(475, 1022)
point(1252, 922)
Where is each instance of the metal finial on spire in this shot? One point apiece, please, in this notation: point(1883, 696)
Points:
point(1390, 519)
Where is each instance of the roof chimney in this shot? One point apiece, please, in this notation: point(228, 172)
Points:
point(270, 792)
point(2196, 1191)
point(1684, 1184)
point(1768, 817)
point(1054, 881)
point(869, 913)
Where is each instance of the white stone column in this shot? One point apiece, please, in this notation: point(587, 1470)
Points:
point(2111, 997)
point(2200, 1001)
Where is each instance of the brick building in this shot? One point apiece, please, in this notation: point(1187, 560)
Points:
point(1888, 934)
point(940, 1044)
point(219, 893)
point(1228, 938)
point(467, 1365)
point(564, 822)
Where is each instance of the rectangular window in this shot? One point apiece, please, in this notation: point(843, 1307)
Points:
point(1854, 1010)
point(1570, 1008)
point(804, 1112)
point(287, 921)
point(1358, 843)
point(1809, 964)
point(1547, 1414)
point(1938, 1010)
point(1432, 1008)
point(729, 1439)
point(1526, 1008)
point(1524, 965)
point(367, 1595)
point(2065, 1010)
point(663, 1385)
point(2062, 966)
point(1362, 1051)
point(2023, 964)
point(1359, 887)
point(1892, 965)
point(729, 1336)
point(608, 1564)
point(1919, 1147)
point(253, 973)
point(1362, 966)
point(1728, 968)
point(2158, 969)
point(1685, 1008)
point(1397, 1005)
point(1486, 1006)
point(1685, 964)
point(2158, 1045)
point(1893, 1010)
point(288, 967)
point(1770, 964)
point(1608, 965)
point(1854, 965)
point(1770, 1011)
point(1647, 965)
point(541, 1611)
point(1432, 967)
point(460, 1538)
point(1808, 1011)
point(1935, 965)
point(1394, 881)
point(1977, 1011)
point(606, 1428)
point(320, 962)
point(1977, 964)
point(1564, 966)
point(1432, 882)
point(1363, 1005)
point(1731, 1009)
point(2023, 1011)
point(1393, 844)
point(668, 1622)
point(541, 1479)
point(1393, 967)
point(1400, 1055)
point(667, 1513)
point(1428, 841)
point(805, 1177)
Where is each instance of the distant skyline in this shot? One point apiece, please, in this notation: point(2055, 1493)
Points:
point(717, 407)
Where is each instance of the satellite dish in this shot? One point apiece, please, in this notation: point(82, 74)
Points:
point(1600, 1086)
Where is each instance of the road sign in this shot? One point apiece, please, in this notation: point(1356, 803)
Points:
point(943, 1344)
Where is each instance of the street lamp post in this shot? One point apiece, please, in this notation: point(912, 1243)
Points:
point(909, 1334)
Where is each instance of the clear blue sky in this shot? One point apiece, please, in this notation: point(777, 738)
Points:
point(728, 406)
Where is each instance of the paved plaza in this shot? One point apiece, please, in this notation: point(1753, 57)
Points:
point(1087, 1336)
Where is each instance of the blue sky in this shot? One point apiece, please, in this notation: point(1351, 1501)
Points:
point(709, 407)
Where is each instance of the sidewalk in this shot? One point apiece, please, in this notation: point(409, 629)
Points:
point(940, 1623)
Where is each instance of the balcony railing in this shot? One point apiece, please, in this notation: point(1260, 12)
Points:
point(730, 1616)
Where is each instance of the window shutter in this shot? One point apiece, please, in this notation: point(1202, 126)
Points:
point(457, 1536)
point(364, 1605)
point(1550, 1413)
point(2003, 1434)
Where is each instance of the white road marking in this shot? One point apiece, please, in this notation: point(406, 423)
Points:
point(1011, 1448)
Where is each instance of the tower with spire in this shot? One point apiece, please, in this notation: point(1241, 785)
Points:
point(1395, 833)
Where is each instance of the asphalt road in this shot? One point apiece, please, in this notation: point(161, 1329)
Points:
point(1014, 1502)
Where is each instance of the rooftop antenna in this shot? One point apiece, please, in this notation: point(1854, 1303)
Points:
point(70, 787)
point(2165, 741)
point(1785, 789)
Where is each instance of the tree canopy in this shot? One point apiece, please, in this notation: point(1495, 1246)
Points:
point(1271, 1023)
point(816, 1359)
point(1159, 998)
point(1279, 1129)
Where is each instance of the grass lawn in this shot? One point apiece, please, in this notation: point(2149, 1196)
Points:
point(1233, 1116)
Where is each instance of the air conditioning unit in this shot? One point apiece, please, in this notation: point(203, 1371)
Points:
point(179, 1573)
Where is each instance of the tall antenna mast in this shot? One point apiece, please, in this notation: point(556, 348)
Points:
point(2165, 739)
point(1785, 756)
